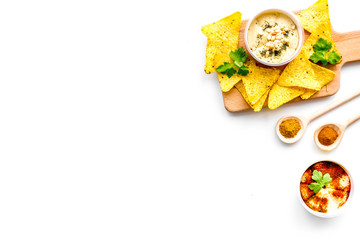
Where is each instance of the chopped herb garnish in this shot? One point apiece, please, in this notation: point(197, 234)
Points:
point(239, 57)
point(334, 58)
point(321, 181)
point(322, 45)
point(284, 46)
point(321, 48)
point(226, 68)
point(267, 25)
point(319, 56)
point(243, 70)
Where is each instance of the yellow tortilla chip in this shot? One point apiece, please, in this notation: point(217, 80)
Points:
point(227, 28)
point(222, 54)
point(227, 83)
point(322, 75)
point(240, 86)
point(316, 15)
point(321, 32)
point(259, 104)
point(299, 73)
point(308, 94)
point(210, 56)
point(217, 52)
point(223, 36)
point(258, 81)
point(279, 95)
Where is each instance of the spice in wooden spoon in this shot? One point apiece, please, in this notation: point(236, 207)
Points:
point(327, 136)
point(289, 128)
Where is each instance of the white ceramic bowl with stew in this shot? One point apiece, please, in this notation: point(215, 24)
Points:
point(261, 51)
point(335, 212)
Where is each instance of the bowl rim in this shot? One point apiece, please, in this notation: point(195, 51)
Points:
point(298, 25)
point(342, 208)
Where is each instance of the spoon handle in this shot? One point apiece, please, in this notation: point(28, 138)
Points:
point(333, 105)
point(352, 120)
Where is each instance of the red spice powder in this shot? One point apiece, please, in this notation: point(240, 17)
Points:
point(327, 136)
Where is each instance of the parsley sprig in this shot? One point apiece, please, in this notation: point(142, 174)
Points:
point(321, 181)
point(239, 57)
point(321, 49)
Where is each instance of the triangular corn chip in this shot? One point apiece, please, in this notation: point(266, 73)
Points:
point(316, 15)
point(217, 52)
point(299, 73)
point(308, 94)
point(279, 95)
point(210, 56)
point(258, 81)
point(259, 104)
point(240, 86)
point(227, 28)
point(322, 75)
point(223, 36)
point(227, 83)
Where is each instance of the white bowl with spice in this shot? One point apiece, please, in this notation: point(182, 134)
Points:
point(274, 37)
point(326, 189)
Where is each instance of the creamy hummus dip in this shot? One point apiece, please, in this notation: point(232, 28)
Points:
point(273, 37)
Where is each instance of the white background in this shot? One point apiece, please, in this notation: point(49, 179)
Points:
point(110, 129)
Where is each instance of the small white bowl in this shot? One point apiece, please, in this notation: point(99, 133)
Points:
point(332, 213)
point(298, 26)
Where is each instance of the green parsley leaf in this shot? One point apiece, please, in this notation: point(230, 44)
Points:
point(317, 175)
point(316, 187)
point(321, 48)
point(238, 56)
point(326, 179)
point(224, 68)
point(243, 70)
point(322, 45)
point(334, 58)
point(321, 181)
point(319, 56)
point(230, 72)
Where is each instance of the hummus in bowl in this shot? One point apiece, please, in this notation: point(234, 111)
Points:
point(274, 37)
point(325, 189)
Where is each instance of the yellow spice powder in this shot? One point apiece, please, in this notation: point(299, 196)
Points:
point(289, 128)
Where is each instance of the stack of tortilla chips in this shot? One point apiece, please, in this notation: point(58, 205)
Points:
point(256, 86)
point(300, 77)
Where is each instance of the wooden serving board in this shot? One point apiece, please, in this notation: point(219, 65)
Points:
point(348, 44)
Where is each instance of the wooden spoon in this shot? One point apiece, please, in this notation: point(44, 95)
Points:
point(339, 128)
point(305, 120)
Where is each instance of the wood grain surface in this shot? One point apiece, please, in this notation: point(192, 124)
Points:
point(348, 44)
